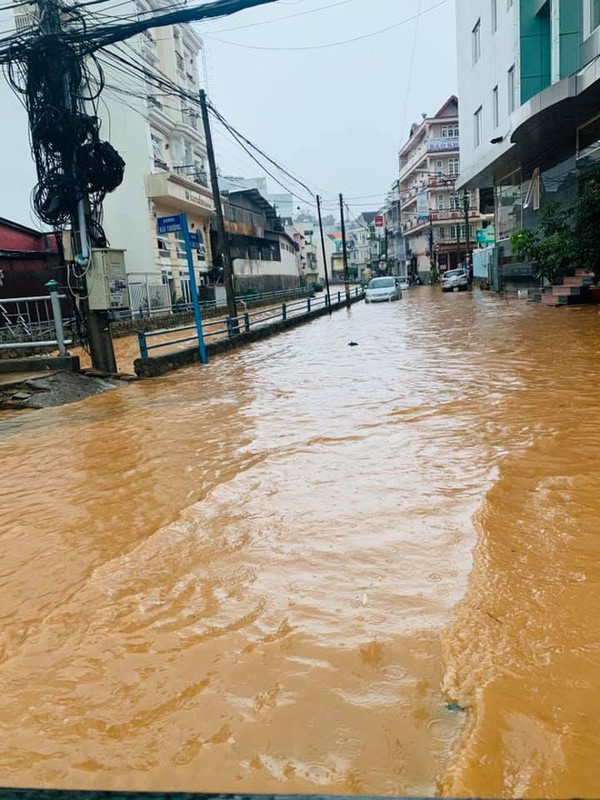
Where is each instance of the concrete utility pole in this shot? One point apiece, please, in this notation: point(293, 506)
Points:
point(457, 205)
point(466, 207)
point(221, 234)
point(345, 252)
point(97, 322)
point(324, 252)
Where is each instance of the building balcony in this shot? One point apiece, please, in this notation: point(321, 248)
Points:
point(193, 173)
point(442, 181)
point(445, 214)
point(413, 160)
point(181, 193)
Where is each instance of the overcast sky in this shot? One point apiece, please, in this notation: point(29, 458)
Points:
point(335, 115)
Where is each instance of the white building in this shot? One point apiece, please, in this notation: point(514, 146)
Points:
point(162, 143)
point(529, 87)
point(432, 213)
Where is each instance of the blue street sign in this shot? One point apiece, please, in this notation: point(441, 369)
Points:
point(166, 225)
point(195, 240)
point(193, 287)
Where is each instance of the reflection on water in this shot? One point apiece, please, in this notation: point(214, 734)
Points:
point(246, 577)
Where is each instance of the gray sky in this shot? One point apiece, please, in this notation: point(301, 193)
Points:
point(335, 116)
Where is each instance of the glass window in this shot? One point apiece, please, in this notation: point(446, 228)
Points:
point(476, 36)
point(511, 90)
point(453, 167)
point(595, 14)
point(478, 122)
point(509, 206)
point(495, 108)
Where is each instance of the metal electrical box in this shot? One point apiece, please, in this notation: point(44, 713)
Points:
point(107, 280)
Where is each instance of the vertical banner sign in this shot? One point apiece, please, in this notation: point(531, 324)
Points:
point(179, 224)
point(422, 206)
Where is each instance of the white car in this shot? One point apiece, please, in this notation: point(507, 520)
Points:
point(403, 283)
point(381, 290)
point(455, 279)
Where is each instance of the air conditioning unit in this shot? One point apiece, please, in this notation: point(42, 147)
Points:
point(107, 280)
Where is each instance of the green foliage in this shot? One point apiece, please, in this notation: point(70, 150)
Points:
point(587, 225)
point(565, 238)
point(552, 246)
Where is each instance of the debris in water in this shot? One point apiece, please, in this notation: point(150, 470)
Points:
point(455, 707)
point(352, 344)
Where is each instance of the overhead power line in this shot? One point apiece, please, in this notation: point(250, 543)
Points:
point(282, 19)
point(331, 44)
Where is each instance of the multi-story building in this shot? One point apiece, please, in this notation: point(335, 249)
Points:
point(160, 137)
point(433, 215)
point(529, 87)
point(363, 251)
point(265, 257)
point(394, 248)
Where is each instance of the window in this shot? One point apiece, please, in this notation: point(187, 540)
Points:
point(164, 250)
point(494, 16)
point(478, 126)
point(453, 230)
point(595, 14)
point(442, 232)
point(511, 90)
point(440, 202)
point(439, 167)
point(453, 167)
point(495, 108)
point(449, 131)
point(454, 202)
point(476, 36)
point(180, 248)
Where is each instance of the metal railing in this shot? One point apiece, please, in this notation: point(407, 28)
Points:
point(27, 322)
point(229, 327)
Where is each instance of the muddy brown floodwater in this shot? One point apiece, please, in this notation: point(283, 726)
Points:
point(274, 574)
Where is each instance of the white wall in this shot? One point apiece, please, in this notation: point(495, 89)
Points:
point(499, 51)
point(126, 211)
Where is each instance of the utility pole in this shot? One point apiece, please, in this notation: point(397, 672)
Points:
point(466, 207)
point(345, 252)
point(457, 205)
point(97, 322)
point(324, 253)
point(222, 236)
point(431, 256)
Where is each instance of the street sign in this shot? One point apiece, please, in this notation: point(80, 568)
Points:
point(195, 240)
point(379, 221)
point(166, 225)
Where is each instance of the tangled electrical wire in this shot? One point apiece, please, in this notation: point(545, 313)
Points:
point(51, 67)
point(72, 163)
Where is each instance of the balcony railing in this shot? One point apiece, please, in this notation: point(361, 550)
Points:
point(193, 173)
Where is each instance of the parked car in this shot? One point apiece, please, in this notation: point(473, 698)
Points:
point(403, 283)
point(455, 279)
point(381, 290)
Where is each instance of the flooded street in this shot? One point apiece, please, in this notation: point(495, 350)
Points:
point(275, 574)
